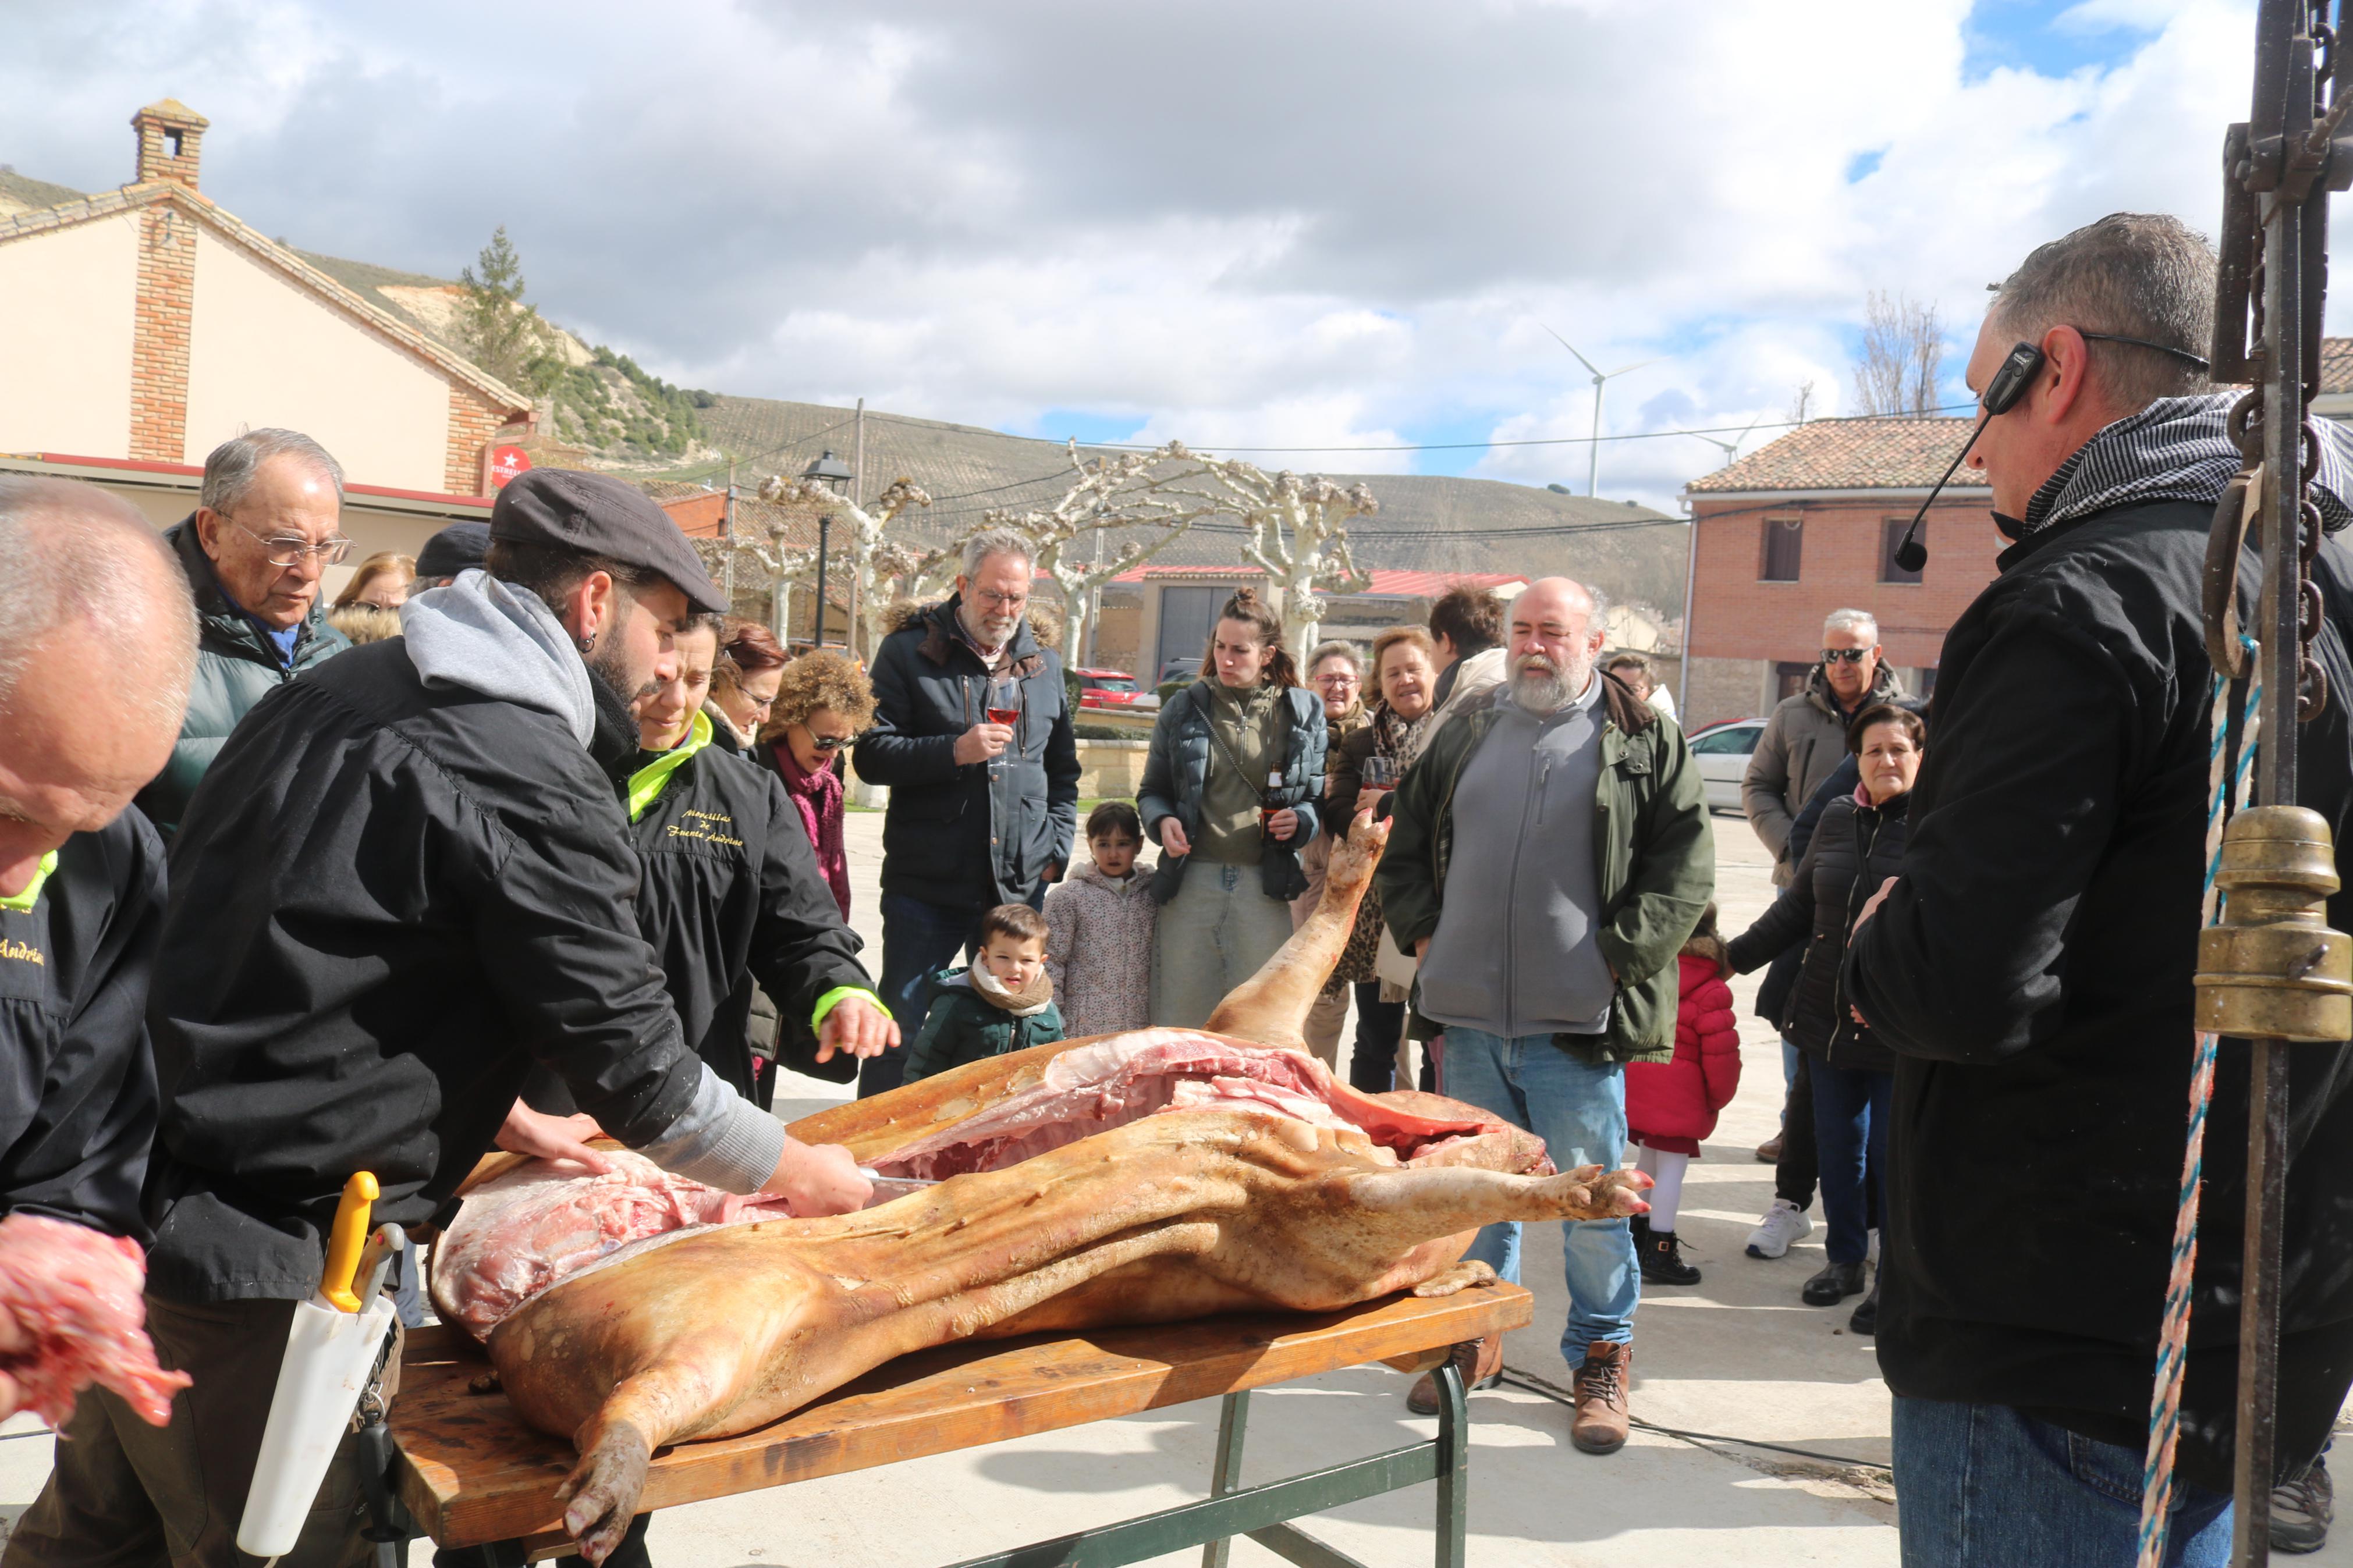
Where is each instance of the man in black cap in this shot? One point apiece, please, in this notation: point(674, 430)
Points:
point(406, 880)
point(459, 548)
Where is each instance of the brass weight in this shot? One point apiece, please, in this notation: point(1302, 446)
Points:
point(2273, 969)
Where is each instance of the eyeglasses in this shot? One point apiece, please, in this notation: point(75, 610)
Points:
point(826, 742)
point(996, 601)
point(757, 703)
point(1845, 655)
point(286, 549)
point(1342, 679)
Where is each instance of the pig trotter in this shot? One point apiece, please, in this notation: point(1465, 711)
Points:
point(1456, 1277)
point(600, 1496)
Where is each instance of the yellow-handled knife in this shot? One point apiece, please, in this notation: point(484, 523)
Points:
point(344, 1241)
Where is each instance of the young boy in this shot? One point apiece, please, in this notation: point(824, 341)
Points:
point(1098, 931)
point(1003, 1003)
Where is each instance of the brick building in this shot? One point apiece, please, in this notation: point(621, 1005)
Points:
point(1809, 525)
point(147, 325)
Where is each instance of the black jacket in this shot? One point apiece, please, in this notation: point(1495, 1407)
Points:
point(388, 899)
point(77, 1081)
point(2031, 971)
point(731, 895)
point(1852, 850)
point(236, 667)
point(978, 833)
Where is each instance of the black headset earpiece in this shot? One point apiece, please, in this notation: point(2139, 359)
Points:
point(2018, 368)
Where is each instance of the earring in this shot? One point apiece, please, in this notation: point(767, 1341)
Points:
point(588, 643)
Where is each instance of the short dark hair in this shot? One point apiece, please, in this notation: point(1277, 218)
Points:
point(1633, 661)
point(1114, 817)
point(551, 571)
point(1902, 717)
point(1018, 921)
point(1471, 618)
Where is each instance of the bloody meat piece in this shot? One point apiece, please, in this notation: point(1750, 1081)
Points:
point(77, 1296)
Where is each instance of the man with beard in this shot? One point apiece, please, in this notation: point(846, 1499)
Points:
point(406, 879)
point(1550, 855)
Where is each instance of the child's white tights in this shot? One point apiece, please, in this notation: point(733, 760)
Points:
point(1666, 1172)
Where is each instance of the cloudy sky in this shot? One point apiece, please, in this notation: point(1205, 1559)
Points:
point(1281, 223)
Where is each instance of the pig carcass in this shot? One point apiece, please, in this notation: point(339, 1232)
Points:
point(1145, 1177)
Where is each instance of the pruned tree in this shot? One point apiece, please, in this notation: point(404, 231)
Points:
point(1903, 346)
point(1147, 498)
point(1802, 402)
point(859, 551)
point(1296, 530)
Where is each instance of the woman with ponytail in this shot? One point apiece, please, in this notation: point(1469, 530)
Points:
point(1232, 781)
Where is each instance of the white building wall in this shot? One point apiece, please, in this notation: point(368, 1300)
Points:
point(263, 352)
point(67, 302)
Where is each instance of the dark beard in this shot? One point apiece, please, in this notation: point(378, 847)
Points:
point(615, 743)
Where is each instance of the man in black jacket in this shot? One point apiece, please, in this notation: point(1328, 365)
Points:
point(405, 879)
point(982, 813)
point(2031, 965)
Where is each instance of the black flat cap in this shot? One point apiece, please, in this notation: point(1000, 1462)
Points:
point(457, 548)
point(600, 515)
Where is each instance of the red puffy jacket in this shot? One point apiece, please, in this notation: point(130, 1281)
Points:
point(1679, 1099)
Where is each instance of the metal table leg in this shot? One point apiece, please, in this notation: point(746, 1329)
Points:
point(1233, 1422)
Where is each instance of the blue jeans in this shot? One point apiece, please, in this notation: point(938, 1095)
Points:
point(1579, 1111)
point(1984, 1486)
point(918, 939)
point(1850, 1138)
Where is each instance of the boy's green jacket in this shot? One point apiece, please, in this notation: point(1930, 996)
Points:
point(1654, 850)
point(961, 1027)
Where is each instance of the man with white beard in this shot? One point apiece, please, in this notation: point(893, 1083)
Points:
point(1550, 855)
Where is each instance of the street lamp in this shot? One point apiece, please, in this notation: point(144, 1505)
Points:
point(832, 471)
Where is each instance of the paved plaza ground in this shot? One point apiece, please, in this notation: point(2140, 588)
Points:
point(1734, 1356)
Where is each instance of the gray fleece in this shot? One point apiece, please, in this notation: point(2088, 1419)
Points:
point(1515, 952)
point(479, 633)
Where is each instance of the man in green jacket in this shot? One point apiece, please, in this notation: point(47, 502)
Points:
point(268, 524)
point(1565, 819)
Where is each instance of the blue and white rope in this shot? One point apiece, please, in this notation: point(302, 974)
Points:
point(2226, 787)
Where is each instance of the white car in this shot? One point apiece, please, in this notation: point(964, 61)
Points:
point(1723, 751)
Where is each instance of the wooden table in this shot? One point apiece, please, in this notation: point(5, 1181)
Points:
point(471, 1474)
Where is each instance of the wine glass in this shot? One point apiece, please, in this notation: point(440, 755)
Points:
point(1004, 708)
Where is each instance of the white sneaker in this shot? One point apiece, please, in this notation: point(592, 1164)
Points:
point(1784, 1223)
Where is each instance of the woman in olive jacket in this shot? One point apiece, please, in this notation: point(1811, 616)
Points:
point(1858, 845)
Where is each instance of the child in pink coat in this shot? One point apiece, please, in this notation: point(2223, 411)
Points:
point(1671, 1106)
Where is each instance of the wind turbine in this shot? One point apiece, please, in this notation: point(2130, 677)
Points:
point(1731, 448)
point(1593, 462)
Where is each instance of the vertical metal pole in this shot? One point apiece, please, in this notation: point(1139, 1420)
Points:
point(2289, 89)
point(1453, 1465)
point(857, 498)
point(1226, 1474)
point(1593, 448)
point(727, 533)
point(824, 535)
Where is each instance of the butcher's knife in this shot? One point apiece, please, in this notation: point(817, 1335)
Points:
point(890, 1188)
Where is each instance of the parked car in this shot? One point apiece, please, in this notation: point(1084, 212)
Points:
point(1187, 669)
point(1112, 689)
point(1723, 750)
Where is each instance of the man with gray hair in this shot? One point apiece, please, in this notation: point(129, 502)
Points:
point(972, 733)
point(2031, 965)
point(268, 524)
point(85, 584)
point(1549, 855)
point(1805, 738)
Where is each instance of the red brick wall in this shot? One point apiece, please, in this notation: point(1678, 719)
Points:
point(474, 419)
point(159, 342)
point(1734, 615)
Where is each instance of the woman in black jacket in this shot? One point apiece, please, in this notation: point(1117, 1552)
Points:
point(1858, 845)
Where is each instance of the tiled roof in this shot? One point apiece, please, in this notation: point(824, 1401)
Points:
point(1850, 454)
point(2336, 364)
point(20, 193)
point(700, 513)
point(1386, 583)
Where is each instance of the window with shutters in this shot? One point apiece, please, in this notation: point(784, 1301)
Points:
point(1785, 540)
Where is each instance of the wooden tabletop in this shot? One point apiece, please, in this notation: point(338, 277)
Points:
point(472, 1472)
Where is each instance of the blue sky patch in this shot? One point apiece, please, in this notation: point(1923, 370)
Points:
point(2050, 40)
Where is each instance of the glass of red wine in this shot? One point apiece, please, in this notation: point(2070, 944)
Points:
point(1004, 708)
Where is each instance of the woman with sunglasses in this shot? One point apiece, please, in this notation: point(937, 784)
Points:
point(822, 703)
point(744, 683)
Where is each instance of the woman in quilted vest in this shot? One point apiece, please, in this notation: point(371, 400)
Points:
point(1672, 1105)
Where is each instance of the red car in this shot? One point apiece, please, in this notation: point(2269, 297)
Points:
point(1112, 689)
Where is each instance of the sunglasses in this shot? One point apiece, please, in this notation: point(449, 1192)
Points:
point(1845, 655)
point(828, 742)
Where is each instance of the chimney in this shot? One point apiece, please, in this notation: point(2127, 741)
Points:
point(169, 134)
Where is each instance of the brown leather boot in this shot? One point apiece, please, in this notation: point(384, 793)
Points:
point(1482, 1365)
point(1599, 1425)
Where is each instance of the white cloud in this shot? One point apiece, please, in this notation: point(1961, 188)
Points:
point(1331, 223)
